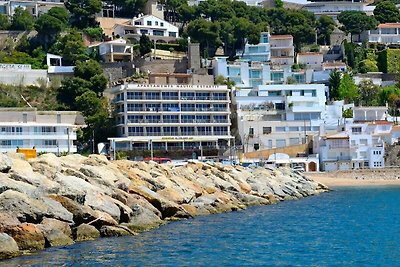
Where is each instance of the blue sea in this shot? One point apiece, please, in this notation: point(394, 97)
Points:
point(346, 227)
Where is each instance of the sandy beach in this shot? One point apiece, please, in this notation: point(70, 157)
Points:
point(384, 177)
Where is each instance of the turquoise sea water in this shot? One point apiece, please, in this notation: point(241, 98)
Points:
point(347, 227)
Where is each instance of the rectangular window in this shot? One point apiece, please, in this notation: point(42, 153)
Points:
point(148, 23)
point(172, 34)
point(280, 143)
point(356, 130)
point(158, 33)
point(280, 129)
point(162, 24)
point(267, 130)
point(251, 131)
point(156, 22)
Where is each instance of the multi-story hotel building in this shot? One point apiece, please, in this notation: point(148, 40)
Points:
point(171, 116)
point(47, 131)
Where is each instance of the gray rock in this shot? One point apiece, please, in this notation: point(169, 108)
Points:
point(28, 236)
point(54, 237)
point(103, 203)
point(31, 210)
point(6, 184)
point(143, 219)
point(86, 232)
point(5, 163)
point(114, 231)
point(8, 246)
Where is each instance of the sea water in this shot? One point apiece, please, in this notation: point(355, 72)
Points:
point(346, 227)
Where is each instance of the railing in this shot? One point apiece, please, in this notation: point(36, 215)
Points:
point(170, 121)
point(220, 133)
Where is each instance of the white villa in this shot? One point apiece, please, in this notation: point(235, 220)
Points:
point(116, 51)
point(47, 131)
point(156, 28)
point(387, 33)
point(34, 7)
point(360, 145)
point(334, 8)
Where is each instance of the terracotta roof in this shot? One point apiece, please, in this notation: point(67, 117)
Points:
point(389, 25)
point(281, 37)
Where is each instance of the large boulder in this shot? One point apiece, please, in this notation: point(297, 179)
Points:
point(74, 187)
point(54, 237)
point(24, 208)
point(103, 203)
point(8, 220)
point(84, 214)
point(114, 231)
point(8, 247)
point(57, 224)
point(28, 236)
point(31, 210)
point(22, 171)
point(86, 232)
point(5, 163)
point(6, 184)
point(167, 208)
point(143, 219)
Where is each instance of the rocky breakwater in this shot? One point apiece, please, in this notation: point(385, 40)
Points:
point(56, 201)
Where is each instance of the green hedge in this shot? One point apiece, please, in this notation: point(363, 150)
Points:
point(389, 60)
point(170, 47)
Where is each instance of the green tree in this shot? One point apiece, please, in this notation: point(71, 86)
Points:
point(206, 33)
point(145, 45)
point(367, 65)
point(49, 26)
point(278, 3)
point(70, 47)
point(355, 22)
point(386, 11)
point(70, 89)
point(348, 90)
point(22, 20)
point(59, 13)
point(347, 113)
point(4, 22)
point(128, 8)
point(369, 93)
point(334, 83)
point(91, 71)
point(325, 27)
point(83, 12)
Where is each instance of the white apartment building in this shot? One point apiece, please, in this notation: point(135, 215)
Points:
point(282, 50)
point(275, 116)
point(47, 131)
point(156, 28)
point(36, 8)
point(171, 116)
point(334, 8)
point(360, 145)
point(387, 33)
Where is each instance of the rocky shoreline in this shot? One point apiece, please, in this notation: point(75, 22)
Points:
point(56, 201)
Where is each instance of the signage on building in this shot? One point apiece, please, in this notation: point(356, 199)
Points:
point(16, 67)
point(177, 138)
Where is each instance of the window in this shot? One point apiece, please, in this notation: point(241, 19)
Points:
point(293, 129)
point(135, 119)
point(256, 147)
point(280, 143)
point(135, 131)
point(294, 141)
point(158, 33)
point(162, 24)
point(267, 130)
point(156, 23)
point(356, 130)
point(280, 129)
point(50, 143)
point(144, 31)
point(149, 23)
point(170, 118)
point(172, 34)
point(251, 131)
